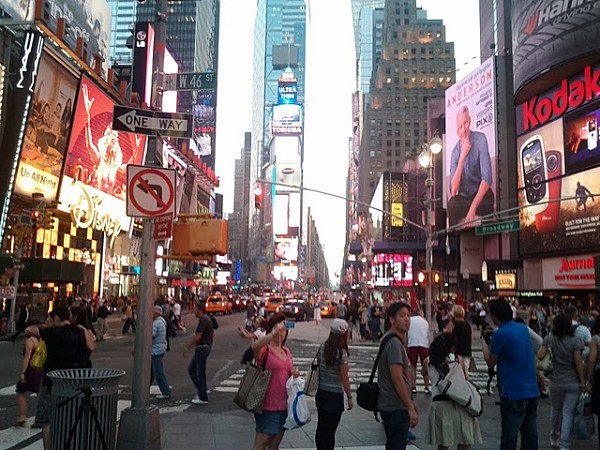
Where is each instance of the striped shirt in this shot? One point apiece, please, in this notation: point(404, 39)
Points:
point(159, 336)
point(330, 377)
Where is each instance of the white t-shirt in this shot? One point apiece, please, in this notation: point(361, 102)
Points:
point(418, 333)
point(259, 333)
point(177, 309)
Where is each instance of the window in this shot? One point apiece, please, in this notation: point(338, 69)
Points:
point(372, 153)
point(389, 122)
point(397, 152)
point(395, 35)
point(388, 132)
point(388, 154)
point(388, 143)
point(407, 142)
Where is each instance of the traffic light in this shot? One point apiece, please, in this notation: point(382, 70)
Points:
point(436, 277)
point(48, 219)
point(423, 277)
point(258, 198)
point(35, 217)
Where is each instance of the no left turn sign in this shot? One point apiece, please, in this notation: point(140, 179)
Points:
point(150, 191)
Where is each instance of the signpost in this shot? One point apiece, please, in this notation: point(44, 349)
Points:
point(143, 121)
point(498, 227)
point(150, 191)
point(190, 81)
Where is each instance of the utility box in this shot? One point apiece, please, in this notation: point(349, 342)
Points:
point(193, 236)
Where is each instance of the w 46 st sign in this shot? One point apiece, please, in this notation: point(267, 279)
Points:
point(190, 81)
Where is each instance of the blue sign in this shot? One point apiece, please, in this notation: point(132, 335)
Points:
point(238, 270)
point(287, 92)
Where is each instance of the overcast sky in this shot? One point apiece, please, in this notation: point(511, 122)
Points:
point(330, 72)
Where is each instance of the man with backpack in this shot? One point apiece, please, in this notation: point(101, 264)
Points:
point(159, 347)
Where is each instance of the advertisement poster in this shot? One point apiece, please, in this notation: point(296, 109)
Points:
point(286, 249)
point(560, 211)
point(280, 214)
point(286, 120)
point(47, 131)
point(581, 139)
point(471, 160)
point(204, 110)
point(287, 273)
point(392, 270)
point(570, 272)
point(98, 155)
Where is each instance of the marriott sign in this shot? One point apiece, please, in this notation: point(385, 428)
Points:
point(569, 94)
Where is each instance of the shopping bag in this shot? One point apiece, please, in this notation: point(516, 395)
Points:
point(298, 411)
point(583, 422)
point(546, 364)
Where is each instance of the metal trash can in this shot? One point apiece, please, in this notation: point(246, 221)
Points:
point(84, 413)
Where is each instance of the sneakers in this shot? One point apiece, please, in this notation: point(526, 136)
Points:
point(414, 390)
point(411, 436)
point(196, 401)
point(427, 391)
point(554, 442)
point(163, 397)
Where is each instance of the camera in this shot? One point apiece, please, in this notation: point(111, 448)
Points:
point(486, 335)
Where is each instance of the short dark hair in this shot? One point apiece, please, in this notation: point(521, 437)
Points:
point(501, 309)
point(274, 320)
point(395, 307)
point(201, 306)
point(571, 311)
point(562, 325)
point(62, 312)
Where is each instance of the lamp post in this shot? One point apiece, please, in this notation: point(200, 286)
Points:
point(426, 160)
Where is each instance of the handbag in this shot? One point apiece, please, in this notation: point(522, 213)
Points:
point(298, 411)
point(40, 355)
point(546, 364)
point(250, 396)
point(312, 380)
point(460, 390)
point(583, 422)
point(367, 394)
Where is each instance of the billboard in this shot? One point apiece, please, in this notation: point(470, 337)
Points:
point(548, 34)
point(559, 187)
point(47, 131)
point(393, 270)
point(286, 249)
point(470, 160)
point(287, 273)
point(287, 92)
point(286, 120)
point(89, 19)
point(280, 215)
point(572, 272)
point(143, 61)
point(395, 197)
point(98, 155)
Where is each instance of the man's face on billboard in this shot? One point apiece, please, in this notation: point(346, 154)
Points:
point(463, 125)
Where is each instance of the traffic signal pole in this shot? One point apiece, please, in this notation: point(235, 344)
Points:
point(139, 427)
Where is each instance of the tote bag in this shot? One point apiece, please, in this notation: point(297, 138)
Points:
point(253, 387)
point(312, 380)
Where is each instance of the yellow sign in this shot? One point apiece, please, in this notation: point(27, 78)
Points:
point(397, 214)
point(507, 281)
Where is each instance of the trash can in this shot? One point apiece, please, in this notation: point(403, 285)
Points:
point(84, 413)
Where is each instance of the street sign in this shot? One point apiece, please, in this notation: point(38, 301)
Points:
point(498, 227)
point(163, 227)
point(150, 191)
point(190, 81)
point(143, 121)
point(7, 292)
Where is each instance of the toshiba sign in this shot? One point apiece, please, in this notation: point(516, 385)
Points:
point(573, 272)
point(567, 95)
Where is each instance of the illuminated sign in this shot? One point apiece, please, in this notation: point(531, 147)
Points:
point(285, 273)
point(392, 270)
point(286, 119)
point(576, 272)
point(506, 281)
point(287, 92)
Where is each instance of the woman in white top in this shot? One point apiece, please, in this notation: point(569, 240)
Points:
point(450, 425)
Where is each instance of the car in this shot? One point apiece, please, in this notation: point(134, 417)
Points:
point(328, 308)
point(274, 304)
point(218, 304)
point(296, 309)
point(238, 303)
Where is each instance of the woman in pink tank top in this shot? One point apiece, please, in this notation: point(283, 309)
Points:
point(269, 424)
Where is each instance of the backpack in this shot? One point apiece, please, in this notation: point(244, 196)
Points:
point(367, 394)
point(168, 333)
point(213, 319)
point(460, 390)
point(40, 355)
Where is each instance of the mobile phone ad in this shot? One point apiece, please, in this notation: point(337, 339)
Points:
point(559, 193)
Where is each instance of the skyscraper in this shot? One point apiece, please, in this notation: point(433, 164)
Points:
point(361, 8)
point(416, 63)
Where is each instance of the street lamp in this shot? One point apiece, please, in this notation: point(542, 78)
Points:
point(426, 160)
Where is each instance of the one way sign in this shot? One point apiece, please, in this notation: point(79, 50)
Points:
point(143, 121)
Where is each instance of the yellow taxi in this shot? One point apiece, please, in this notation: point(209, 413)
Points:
point(218, 304)
point(274, 304)
point(328, 308)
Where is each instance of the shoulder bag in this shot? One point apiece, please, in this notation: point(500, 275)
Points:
point(40, 355)
point(460, 390)
point(253, 386)
point(367, 394)
point(312, 380)
point(546, 364)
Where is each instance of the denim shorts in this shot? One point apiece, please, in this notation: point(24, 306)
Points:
point(270, 422)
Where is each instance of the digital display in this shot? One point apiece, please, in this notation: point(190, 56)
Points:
point(532, 157)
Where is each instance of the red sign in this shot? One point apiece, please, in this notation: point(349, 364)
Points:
point(576, 272)
point(163, 227)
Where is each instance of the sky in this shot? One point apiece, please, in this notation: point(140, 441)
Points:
point(330, 81)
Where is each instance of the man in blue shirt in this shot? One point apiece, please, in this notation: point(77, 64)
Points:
point(471, 195)
point(511, 349)
point(159, 347)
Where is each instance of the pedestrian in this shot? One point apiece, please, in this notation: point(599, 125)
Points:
point(67, 347)
point(511, 350)
point(341, 310)
point(461, 330)
point(363, 313)
point(536, 343)
point(270, 350)
point(398, 410)
point(79, 317)
point(22, 321)
point(129, 318)
point(333, 382)
point(179, 324)
point(567, 379)
point(580, 330)
point(102, 325)
point(159, 347)
point(317, 312)
point(418, 347)
point(449, 425)
point(30, 378)
point(201, 344)
point(374, 322)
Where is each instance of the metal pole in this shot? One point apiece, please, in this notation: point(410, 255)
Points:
point(429, 242)
point(12, 326)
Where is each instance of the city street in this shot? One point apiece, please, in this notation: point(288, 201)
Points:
point(220, 424)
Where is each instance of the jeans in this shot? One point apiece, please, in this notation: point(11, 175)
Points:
point(396, 424)
point(326, 428)
point(563, 398)
point(197, 370)
point(128, 323)
point(519, 416)
point(157, 370)
point(102, 328)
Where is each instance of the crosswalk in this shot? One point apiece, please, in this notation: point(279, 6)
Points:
point(360, 365)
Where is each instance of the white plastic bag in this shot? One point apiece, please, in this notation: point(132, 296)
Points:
point(298, 411)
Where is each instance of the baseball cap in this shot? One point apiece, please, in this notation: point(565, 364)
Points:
point(338, 326)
